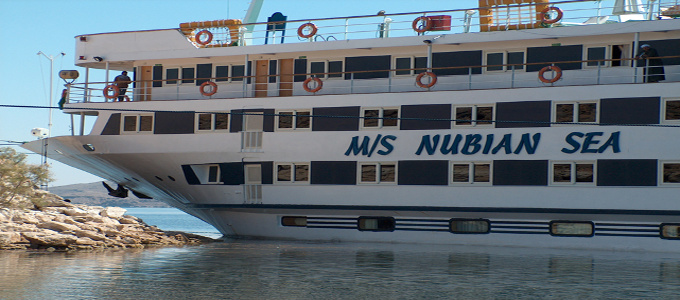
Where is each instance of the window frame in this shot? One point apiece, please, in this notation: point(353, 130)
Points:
point(412, 65)
point(471, 173)
point(166, 79)
point(378, 173)
point(137, 123)
point(230, 73)
point(664, 110)
point(575, 112)
point(293, 169)
point(572, 173)
point(662, 182)
point(326, 69)
point(474, 122)
point(381, 115)
point(565, 222)
point(213, 116)
point(295, 117)
point(506, 54)
point(607, 55)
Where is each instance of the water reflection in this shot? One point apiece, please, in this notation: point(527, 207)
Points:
point(270, 269)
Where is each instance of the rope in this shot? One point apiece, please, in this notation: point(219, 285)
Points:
point(346, 117)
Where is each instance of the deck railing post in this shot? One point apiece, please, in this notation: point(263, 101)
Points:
point(351, 83)
point(512, 76)
point(599, 70)
point(469, 78)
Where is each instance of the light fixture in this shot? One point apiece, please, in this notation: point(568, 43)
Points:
point(98, 58)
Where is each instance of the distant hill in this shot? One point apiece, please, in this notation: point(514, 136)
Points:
point(95, 194)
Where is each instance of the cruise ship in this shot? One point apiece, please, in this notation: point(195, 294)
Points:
point(517, 123)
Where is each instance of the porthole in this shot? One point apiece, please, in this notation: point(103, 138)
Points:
point(469, 226)
point(572, 228)
point(88, 147)
point(171, 178)
point(161, 179)
point(670, 231)
point(294, 221)
point(376, 224)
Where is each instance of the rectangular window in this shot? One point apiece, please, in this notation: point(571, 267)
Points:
point(576, 112)
point(571, 228)
point(376, 224)
point(171, 75)
point(671, 173)
point(293, 120)
point(573, 173)
point(380, 118)
point(469, 226)
point(671, 110)
point(471, 173)
point(237, 72)
point(409, 65)
point(473, 115)
point(222, 73)
point(670, 231)
point(596, 53)
point(292, 173)
point(499, 61)
point(378, 173)
point(322, 69)
point(188, 75)
point(294, 221)
point(137, 123)
point(212, 121)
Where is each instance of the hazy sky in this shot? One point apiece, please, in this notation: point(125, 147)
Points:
point(30, 26)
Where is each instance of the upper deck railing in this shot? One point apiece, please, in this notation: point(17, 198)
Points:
point(228, 33)
point(505, 76)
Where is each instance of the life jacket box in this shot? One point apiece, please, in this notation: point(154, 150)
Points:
point(440, 23)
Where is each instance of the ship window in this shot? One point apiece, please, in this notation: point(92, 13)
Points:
point(671, 111)
point(671, 173)
point(376, 224)
point(137, 123)
point(670, 231)
point(475, 115)
point(294, 221)
point(380, 118)
point(238, 72)
point(294, 120)
point(321, 69)
point(212, 121)
point(378, 173)
point(496, 61)
point(596, 53)
point(171, 75)
point(470, 172)
point(208, 174)
point(409, 65)
point(188, 75)
point(576, 112)
point(571, 228)
point(221, 73)
point(469, 226)
point(573, 173)
point(292, 173)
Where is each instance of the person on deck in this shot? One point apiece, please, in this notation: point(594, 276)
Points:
point(122, 81)
point(654, 71)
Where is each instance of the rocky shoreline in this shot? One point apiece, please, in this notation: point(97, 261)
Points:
point(56, 225)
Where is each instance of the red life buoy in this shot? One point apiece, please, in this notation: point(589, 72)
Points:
point(319, 84)
point(111, 88)
point(213, 88)
point(427, 24)
point(207, 40)
point(433, 80)
point(544, 15)
point(558, 74)
point(312, 30)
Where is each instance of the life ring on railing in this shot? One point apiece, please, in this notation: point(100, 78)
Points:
point(558, 74)
point(312, 30)
point(213, 88)
point(427, 24)
point(544, 15)
point(433, 80)
point(207, 40)
point(111, 88)
point(319, 84)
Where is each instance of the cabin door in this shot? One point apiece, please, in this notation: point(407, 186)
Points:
point(253, 183)
point(261, 77)
point(286, 77)
point(144, 86)
point(253, 126)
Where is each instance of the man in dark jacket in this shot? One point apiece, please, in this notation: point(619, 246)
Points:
point(122, 82)
point(654, 71)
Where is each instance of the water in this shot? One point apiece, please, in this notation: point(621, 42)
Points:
point(254, 269)
point(172, 219)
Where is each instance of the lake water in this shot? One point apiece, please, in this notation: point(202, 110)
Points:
point(254, 269)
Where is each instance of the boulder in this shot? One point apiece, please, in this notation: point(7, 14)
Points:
point(58, 226)
point(113, 212)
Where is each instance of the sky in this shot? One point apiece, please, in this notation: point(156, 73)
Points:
point(49, 26)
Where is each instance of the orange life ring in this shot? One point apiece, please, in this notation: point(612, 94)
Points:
point(558, 74)
point(427, 24)
point(111, 88)
point(201, 33)
point(312, 32)
point(544, 15)
point(319, 84)
point(420, 83)
point(213, 88)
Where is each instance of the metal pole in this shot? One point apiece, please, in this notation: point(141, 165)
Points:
point(636, 46)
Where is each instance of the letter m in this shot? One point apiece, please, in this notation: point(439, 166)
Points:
point(355, 148)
